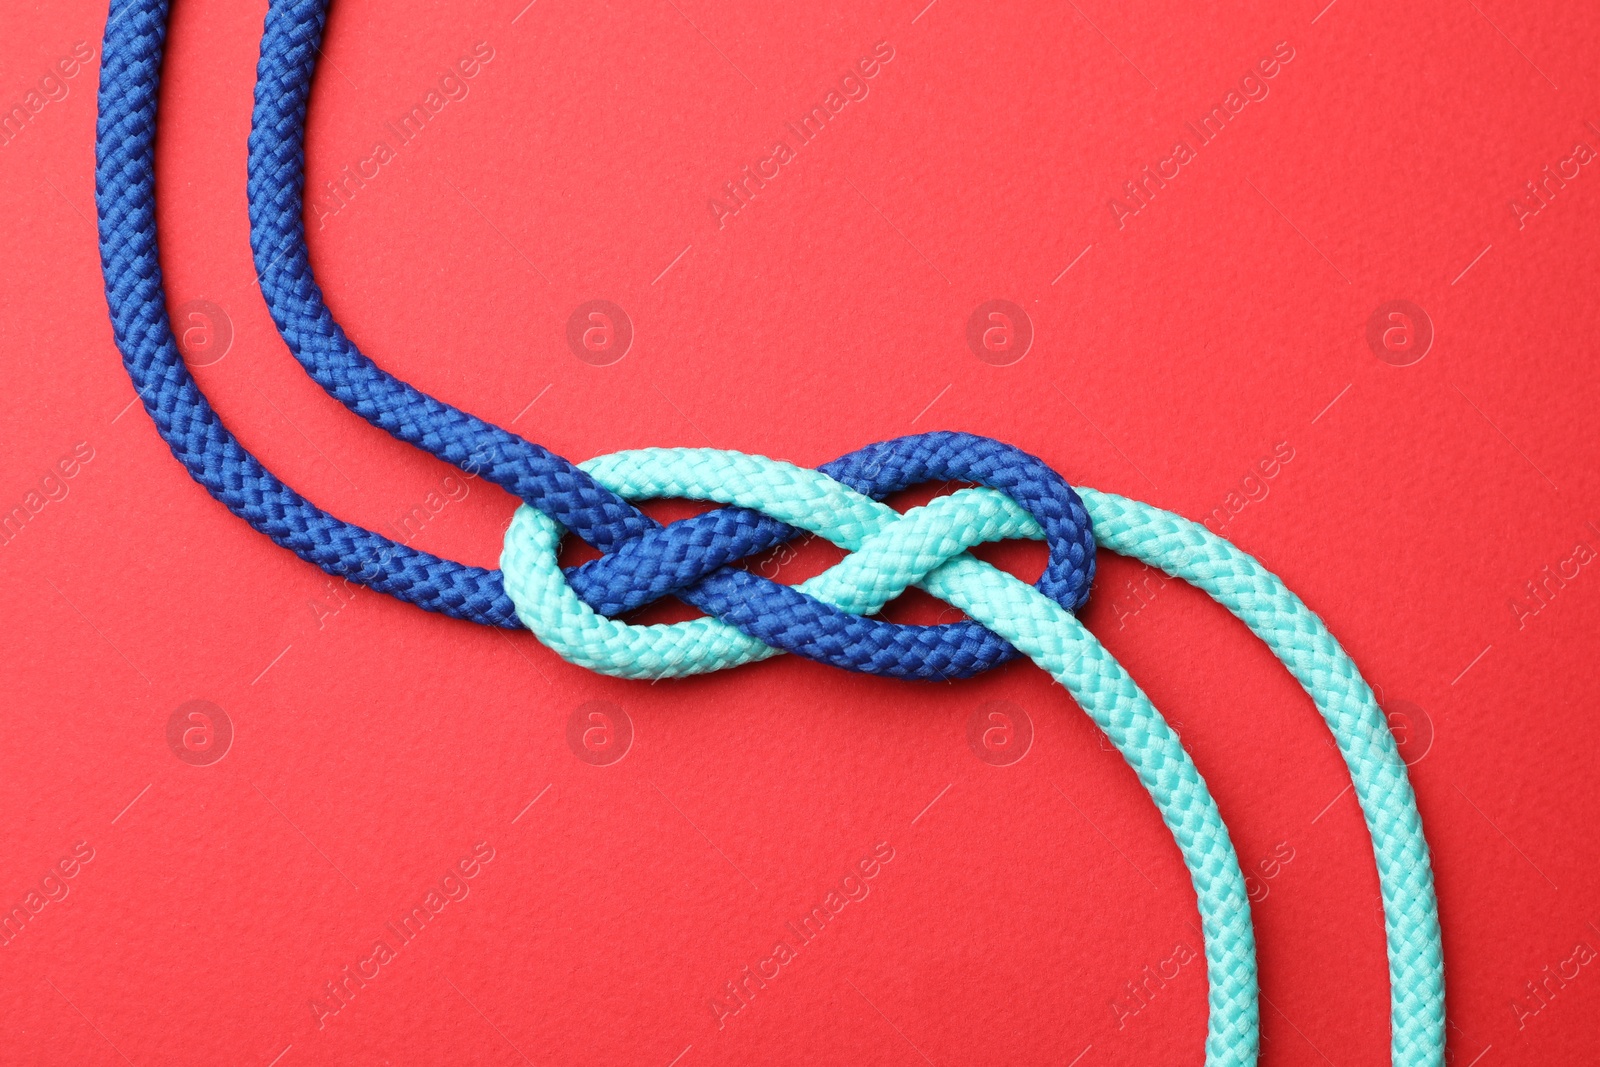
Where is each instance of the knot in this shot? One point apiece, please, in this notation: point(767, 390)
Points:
point(690, 559)
point(824, 617)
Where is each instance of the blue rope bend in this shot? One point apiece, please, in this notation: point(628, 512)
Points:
point(692, 559)
point(644, 561)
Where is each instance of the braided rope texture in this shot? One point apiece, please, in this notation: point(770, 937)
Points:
point(643, 561)
point(1260, 600)
point(925, 547)
point(125, 198)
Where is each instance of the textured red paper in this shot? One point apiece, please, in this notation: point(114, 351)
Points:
point(1226, 346)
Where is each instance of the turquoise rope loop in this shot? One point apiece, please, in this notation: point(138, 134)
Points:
point(888, 554)
point(925, 547)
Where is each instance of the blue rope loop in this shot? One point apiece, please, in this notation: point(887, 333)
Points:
point(693, 558)
point(644, 561)
point(784, 617)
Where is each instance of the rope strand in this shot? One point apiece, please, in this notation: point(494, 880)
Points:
point(826, 618)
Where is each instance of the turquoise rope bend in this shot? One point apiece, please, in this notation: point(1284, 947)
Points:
point(925, 547)
point(891, 551)
point(1260, 600)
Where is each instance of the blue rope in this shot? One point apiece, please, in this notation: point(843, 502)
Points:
point(631, 575)
point(644, 560)
point(694, 559)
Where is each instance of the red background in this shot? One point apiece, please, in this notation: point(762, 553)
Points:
point(375, 746)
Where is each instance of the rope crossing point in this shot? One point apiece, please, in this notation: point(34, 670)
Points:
point(747, 617)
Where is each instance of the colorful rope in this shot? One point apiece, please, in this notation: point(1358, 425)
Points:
point(925, 547)
point(889, 552)
point(643, 561)
point(748, 617)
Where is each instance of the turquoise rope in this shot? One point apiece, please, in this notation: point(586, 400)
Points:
point(890, 552)
point(1260, 600)
point(925, 547)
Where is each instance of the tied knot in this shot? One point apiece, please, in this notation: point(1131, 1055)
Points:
point(826, 617)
